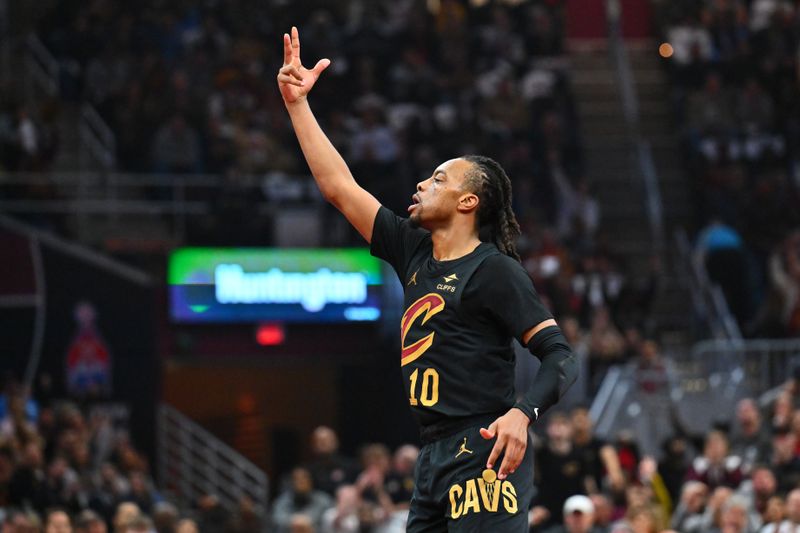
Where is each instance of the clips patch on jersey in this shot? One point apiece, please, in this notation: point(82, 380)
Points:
point(447, 285)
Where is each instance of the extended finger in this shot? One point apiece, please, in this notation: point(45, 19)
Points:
point(511, 461)
point(295, 43)
point(291, 70)
point(287, 49)
point(321, 65)
point(496, 451)
point(283, 78)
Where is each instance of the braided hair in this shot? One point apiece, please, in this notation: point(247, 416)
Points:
point(489, 181)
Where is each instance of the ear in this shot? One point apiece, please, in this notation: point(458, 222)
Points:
point(468, 202)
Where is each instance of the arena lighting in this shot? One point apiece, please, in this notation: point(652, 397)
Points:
point(271, 334)
point(665, 50)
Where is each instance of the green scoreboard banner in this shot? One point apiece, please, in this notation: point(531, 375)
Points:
point(271, 284)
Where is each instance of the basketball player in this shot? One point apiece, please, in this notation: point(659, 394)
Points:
point(465, 301)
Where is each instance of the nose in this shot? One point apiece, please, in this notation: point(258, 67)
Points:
point(419, 186)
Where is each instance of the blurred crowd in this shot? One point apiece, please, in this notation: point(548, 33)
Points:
point(190, 88)
point(735, 70)
point(67, 467)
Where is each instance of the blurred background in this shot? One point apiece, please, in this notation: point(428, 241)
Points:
point(191, 339)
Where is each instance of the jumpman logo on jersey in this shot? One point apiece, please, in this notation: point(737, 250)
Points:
point(413, 279)
point(463, 448)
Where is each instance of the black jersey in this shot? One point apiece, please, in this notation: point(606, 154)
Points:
point(460, 318)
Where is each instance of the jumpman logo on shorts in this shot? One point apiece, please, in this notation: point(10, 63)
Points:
point(463, 448)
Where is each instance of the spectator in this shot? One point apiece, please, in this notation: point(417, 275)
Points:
point(400, 480)
point(22, 522)
point(28, 140)
point(785, 460)
point(578, 516)
point(720, 248)
point(775, 513)
point(90, 522)
point(690, 42)
point(782, 310)
point(301, 523)
point(140, 524)
point(759, 489)
point(176, 148)
point(187, 526)
point(300, 498)
point(212, 517)
point(735, 517)
point(754, 114)
point(711, 123)
point(792, 521)
point(689, 516)
point(599, 458)
point(328, 468)
point(603, 512)
point(27, 487)
point(715, 467)
point(606, 345)
point(560, 469)
point(749, 441)
point(246, 519)
point(639, 519)
point(140, 493)
point(674, 464)
point(165, 517)
point(371, 483)
point(57, 521)
point(343, 517)
point(125, 515)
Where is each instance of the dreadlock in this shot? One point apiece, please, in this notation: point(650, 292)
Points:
point(489, 181)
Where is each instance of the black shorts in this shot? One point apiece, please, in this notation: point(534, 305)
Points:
point(453, 492)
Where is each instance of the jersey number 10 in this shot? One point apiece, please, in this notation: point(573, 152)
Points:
point(429, 395)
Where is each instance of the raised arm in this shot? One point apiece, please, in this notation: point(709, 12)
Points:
point(329, 169)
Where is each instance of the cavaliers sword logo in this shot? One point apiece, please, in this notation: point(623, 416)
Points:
point(429, 305)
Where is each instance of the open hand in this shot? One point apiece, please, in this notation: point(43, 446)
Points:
point(511, 431)
point(294, 80)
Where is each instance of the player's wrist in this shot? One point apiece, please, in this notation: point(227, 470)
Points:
point(529, 415)
point(299, 102)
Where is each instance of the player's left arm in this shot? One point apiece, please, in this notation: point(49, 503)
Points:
point(557, 372)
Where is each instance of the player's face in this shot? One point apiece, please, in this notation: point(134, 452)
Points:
point(437, 198)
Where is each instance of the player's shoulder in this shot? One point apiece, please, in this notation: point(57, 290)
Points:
point(499, 263)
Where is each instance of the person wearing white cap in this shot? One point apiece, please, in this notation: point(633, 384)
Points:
point(578, 516)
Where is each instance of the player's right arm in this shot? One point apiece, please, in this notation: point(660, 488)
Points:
point(328, 168)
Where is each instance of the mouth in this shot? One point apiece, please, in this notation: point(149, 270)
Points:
point(415, 200)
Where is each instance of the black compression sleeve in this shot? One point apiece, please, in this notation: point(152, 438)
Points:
point(558, 371)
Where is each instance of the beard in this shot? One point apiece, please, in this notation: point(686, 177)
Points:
point(414, 221)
